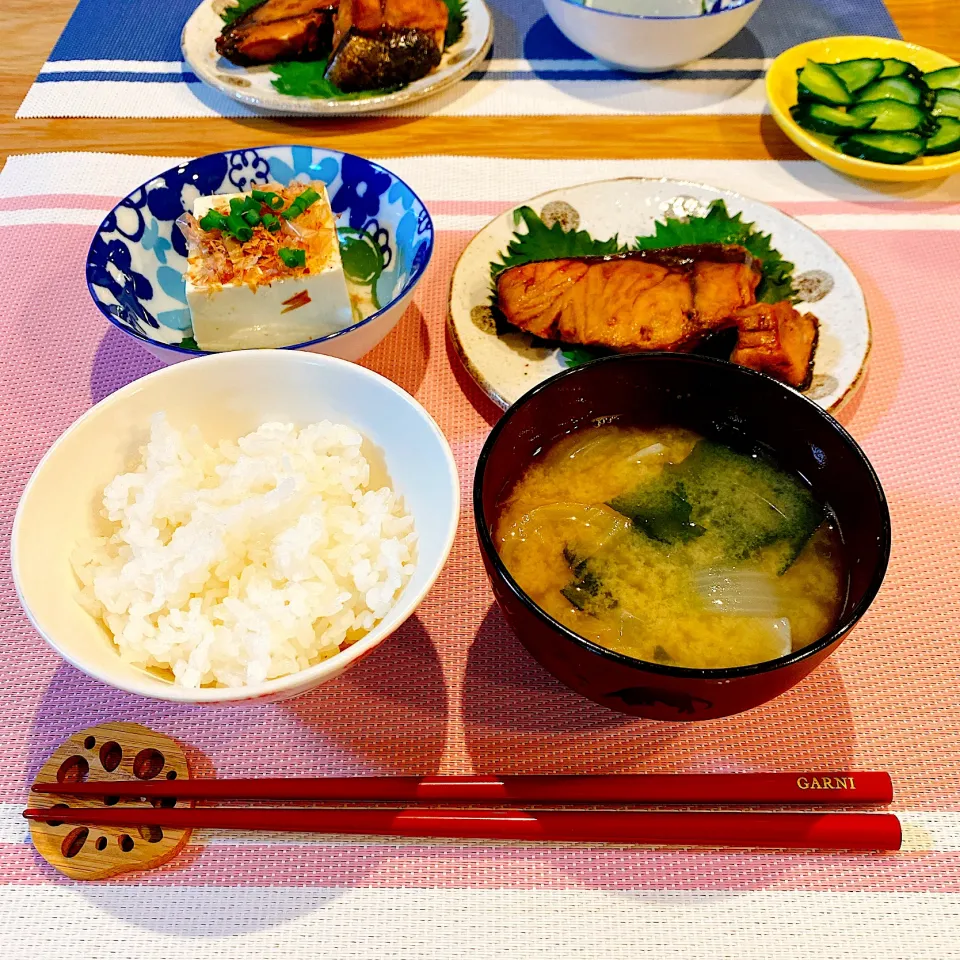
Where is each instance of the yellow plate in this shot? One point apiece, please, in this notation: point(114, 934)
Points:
point(782, 94)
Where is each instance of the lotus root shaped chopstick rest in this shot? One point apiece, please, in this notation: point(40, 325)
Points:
point(110, 751)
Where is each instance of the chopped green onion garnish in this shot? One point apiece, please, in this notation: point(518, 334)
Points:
point(304, 200)
point(293, 258)
point(237, 206)
point(273, 200)
point(270, 222)
point(241, 231)
point(213, 220)
point(308, 197)
point(252, 217)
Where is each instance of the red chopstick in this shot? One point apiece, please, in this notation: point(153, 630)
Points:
point(830, 789)
point(826, 831)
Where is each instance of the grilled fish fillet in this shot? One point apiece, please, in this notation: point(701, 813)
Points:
point(280, 30)
point(386, 43)
point(776, 339)
point(646, 300)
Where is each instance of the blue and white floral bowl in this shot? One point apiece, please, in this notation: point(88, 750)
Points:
point(137, 259)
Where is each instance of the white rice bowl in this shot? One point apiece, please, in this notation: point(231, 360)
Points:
point(237, 564)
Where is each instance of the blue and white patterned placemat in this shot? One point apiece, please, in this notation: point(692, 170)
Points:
point(121, 58)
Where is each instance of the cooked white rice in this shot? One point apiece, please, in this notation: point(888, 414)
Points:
point(234, 564)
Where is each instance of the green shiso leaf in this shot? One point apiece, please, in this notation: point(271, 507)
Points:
point(541, 242)
point(298, 79)
point(229, 14)
point(455, 21)
point(574, 356)
point(718, 226)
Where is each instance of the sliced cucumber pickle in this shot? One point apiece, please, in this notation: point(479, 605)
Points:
point(893, 88)
point(899, 68)
point(947, 78)
point(947, 103)
point(891, 116)
point(946, 139)
point(817, 83)
point(834, 122)
point(883, 147)
point(857, 73)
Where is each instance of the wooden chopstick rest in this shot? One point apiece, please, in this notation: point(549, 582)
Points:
point(115, 752)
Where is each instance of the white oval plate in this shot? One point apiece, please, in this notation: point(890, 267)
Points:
point(507, 365)
point(252, 85)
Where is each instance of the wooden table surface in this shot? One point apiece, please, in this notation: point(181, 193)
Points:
point(35, 28)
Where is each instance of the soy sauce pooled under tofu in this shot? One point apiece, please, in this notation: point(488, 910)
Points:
point(672, 548)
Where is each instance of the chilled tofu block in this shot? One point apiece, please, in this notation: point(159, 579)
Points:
point(244, 295)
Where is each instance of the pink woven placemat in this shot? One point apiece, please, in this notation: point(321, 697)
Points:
point(453, 691)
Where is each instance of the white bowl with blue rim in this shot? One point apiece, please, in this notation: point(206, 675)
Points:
point(138, 256)
point(649, 36)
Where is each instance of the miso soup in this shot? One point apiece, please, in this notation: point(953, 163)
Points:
point(673, 548)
